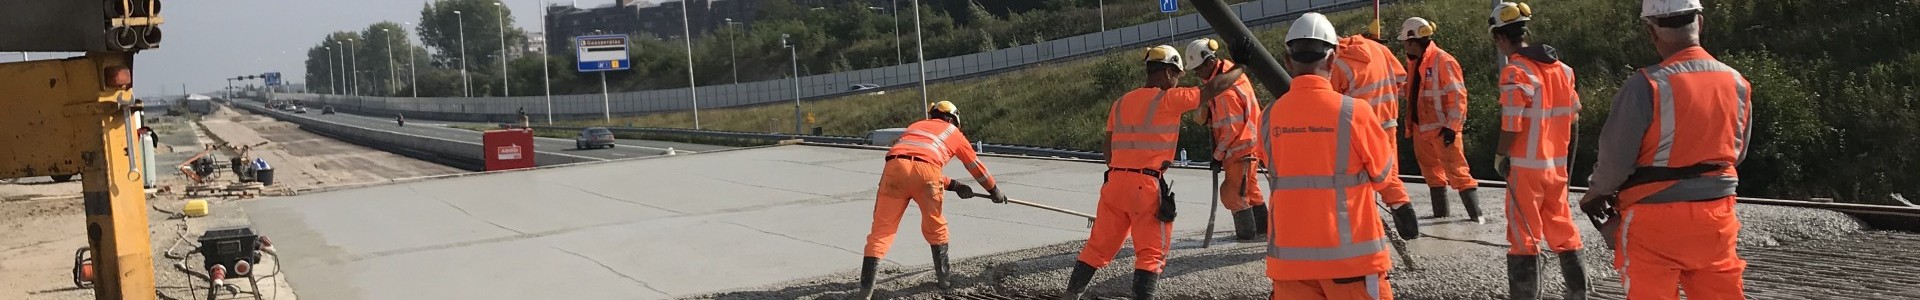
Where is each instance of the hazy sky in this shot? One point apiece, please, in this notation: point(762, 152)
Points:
point(209, 40)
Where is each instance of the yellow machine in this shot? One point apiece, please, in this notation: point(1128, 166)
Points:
point(72, 116)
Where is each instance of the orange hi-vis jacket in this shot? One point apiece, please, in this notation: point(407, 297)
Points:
point(1441, 99)
point(1145, 124)
point(1233, 115)
point(1366, 70)
point(1539, 104)
point(1327, 156)
point(1689, 127)
point(936, 142)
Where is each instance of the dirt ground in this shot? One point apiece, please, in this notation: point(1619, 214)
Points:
point(43, 220)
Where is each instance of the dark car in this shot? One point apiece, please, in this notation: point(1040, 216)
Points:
point(593, 138)
point(327, 110)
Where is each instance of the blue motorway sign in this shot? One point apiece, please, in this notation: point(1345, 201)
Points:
point(1169, 6)
point(601, 53)
point(273, 78)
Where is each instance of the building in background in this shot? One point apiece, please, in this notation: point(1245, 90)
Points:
point(643, 19)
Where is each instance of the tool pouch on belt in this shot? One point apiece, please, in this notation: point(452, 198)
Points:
point(1166, 211)
point(1604, 211)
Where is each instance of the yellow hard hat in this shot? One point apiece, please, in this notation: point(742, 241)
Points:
point(944, 107)
point(1509, 13)
point(1164, 54)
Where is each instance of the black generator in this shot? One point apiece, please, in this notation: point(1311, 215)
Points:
point(228, 247)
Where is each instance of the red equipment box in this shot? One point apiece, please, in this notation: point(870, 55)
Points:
point(508, 149)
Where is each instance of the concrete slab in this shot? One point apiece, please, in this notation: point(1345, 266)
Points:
point(655, 228)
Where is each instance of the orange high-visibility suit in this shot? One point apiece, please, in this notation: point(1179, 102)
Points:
point(1689, 109)
point(913, 173)
point(1145, 124)
point(1327, 157)
point(1539, 106)
point(1366, 70)
point(1440, 101)
point(1233, 115)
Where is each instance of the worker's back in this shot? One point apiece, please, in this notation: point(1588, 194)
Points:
point(1540, 105)
point(1702, 113)
point(1367, 70)
point(1146, 126)
point(1324, 152)
point(932, 140)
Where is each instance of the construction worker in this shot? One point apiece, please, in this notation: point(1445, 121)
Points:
point(1231, 117)
point(913, 173)
point(1367, 70)
point(1666, 165)
point(1537, 114)
point(1327, 157)
point(1439, 110)
point(1143, 128)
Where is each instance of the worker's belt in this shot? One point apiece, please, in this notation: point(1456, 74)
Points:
point(1150, 172)
point(907, 157)
point(1604, 211)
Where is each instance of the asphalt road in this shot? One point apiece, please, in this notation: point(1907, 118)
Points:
point(627, 148)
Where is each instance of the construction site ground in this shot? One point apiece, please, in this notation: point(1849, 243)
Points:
point(44, 221)
point(788, 222)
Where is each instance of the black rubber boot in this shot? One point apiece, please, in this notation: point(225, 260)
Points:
point(1471, 199)
point(1575, 272)
point(1439, 195)
point(1077, 283)
point(941, 271)
point(868, 266)
point(1260, 214)
point(1523, 277)
point(1144, 283)
point(1243, 225)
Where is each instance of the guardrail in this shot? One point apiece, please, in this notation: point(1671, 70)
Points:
point(849, 140)
point(466, 155)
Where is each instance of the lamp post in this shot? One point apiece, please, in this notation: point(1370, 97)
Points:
point(693, 91)
point(413, 67)
point(546, 53)
point(898, 57)
point(794, 54)
point(505, 88)
point(353, 68)
point(392, 80)
point(732, 54)
point(466, 83)
point(1103, 15)
point(920, 50)
point(333, 86)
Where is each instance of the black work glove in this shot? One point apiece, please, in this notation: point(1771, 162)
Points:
point(1166, 211)
point(1216, 166)
point(1501, 165)
point(1405, 222)
point(965, 192)
point(1447, 135)
point(994, 193)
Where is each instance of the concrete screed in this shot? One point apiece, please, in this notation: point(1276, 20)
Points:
point(789, 222)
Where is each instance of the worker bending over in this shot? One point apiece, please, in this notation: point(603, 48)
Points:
point(913, 172)
point(1231, 116)
point(1368, 71)
point(1142, 130)
point(1666, 166)
point(1327, 157)
point(1439, 110)
point(1539, 107)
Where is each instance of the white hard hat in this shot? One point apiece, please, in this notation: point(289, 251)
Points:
point(1508, 13)
point(1414, 28)
point(1313, 26)
point(1668, 8)
point(1164, 54)
point(1198, 51)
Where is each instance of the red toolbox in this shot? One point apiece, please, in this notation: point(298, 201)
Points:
point(508, 149)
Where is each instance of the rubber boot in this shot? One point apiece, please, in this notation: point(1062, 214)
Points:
point(1144, 283)
point(1243, 226)
point(1471, 199)
point(1575, 272)
point(868, 266)
point(941, 271)
point(1439, 195)
point(1523, 277)
point(1260, 214)
point(1077, 283)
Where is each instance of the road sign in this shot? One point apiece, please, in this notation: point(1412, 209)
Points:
point(1169, 6)
point(601, 53)
point(273, 78)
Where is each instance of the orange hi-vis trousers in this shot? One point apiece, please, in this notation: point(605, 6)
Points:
point(1371, 287)
point(1241, 187)
point(1442, 165)
point(1665, 247)
point(907, 180)
point(1538, 213)
point(1128, 202)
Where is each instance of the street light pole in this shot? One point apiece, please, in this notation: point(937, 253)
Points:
point(344, 87)
point(898, 57)
point(920, 50)
point(353, 67)
point(733, 57)
point(413, 67)
point(693, 91)
point(546, 54)
point(794, 54)
point(505, 88)
point(466, 83)
point(332, 85)
point(392, 80)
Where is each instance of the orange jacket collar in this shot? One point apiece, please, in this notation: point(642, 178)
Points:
point(1310, 82)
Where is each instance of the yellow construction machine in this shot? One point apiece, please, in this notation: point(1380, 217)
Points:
point(74, 116)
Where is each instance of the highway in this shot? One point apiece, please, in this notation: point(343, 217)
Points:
point(628, 148)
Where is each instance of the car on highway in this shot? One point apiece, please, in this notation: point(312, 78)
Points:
point(327, 110)
point(299, 110)
point(593, 138)
point(866, 86)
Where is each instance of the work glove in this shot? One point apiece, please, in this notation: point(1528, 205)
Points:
point(1604, 212)
point(996, 196)
point(1216, 166)
point(1405, 222)
point(965, 192)
point(1447, 135)
point(1501, 166)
